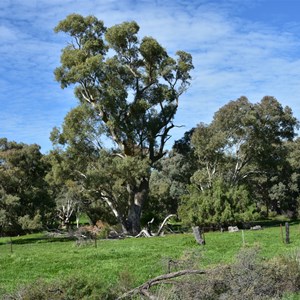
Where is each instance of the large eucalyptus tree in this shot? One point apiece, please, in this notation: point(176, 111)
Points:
point(24, 199)
point(133, 86)
point(242, 162)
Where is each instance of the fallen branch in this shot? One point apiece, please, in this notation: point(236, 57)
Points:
point(163, 224)
point(146, 231)
point(144, 288)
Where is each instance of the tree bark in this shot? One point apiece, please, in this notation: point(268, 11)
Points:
point(138, 197)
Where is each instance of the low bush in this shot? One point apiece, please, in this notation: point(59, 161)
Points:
point(73, 288)
point(248, 277)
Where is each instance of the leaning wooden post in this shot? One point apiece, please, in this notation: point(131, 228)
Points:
point(287, 233)
point(198, 235)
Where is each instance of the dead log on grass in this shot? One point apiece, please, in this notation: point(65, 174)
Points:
point(144, 288)
point(160, 230)
point(144, 233)
point(147, 233)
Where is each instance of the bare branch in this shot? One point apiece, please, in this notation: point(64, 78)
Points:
point(81, 174)
point(133, 72)
point(163, 224)
point(143, 289)
point(120, 155)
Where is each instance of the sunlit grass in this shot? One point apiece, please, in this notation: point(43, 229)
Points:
point(34, 257)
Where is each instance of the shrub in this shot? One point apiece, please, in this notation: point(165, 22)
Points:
point(220, 204)
point(248, 277)
point(74, 288)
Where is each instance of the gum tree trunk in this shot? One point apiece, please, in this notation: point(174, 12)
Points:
point(138, 197)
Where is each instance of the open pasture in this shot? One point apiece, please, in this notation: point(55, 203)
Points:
point(35, 257)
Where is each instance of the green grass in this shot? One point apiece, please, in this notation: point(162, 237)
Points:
point(35, 257)
point(52, 260)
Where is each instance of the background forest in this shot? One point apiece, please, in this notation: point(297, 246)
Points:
point(242, 166)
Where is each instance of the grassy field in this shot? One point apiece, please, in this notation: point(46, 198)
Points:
point(35, 257)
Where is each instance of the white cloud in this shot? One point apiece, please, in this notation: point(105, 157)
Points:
point(7, 34)
point(233, 56)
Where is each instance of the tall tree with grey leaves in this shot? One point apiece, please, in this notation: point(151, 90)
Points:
point(133, 86)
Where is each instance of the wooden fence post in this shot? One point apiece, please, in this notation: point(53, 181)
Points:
point(11, 245)
point(287, 233)
point(198, 235)
point(95, 239)
point(281, 230)
point(243, 238)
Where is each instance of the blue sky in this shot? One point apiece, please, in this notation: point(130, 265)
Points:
point(239, 47)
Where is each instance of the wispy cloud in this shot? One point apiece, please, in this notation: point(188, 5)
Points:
point(234, 54)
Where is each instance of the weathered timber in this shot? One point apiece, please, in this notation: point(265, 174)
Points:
point(144, 288)
point(287, 233)
point(147, 233)
point(198, 235)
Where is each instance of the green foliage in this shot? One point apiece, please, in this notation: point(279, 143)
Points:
point(25, 204)
point(293, 180)
point(113, 177)
point(244, 139)
point(168, 182)
point(73, 288)
point(129, 90)
point(245, 147)
point(219, 205)
point(106, 81)
point(31, 224)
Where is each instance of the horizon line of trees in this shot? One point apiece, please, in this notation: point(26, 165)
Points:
point(242, 166)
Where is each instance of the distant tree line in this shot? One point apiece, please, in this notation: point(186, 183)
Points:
point(242, 166)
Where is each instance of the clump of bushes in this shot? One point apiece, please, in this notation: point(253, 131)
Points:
point(248, 277)
point(73, 288)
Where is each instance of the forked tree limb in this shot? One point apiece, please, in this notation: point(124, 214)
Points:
point(145, 232)
point(163, 224)
point(144, 288)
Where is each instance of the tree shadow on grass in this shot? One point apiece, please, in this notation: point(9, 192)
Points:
point(274, 222)
point(37, 240)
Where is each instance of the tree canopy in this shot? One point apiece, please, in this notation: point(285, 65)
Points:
point(242, 161)
point(132, 87)
point(24, 200)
